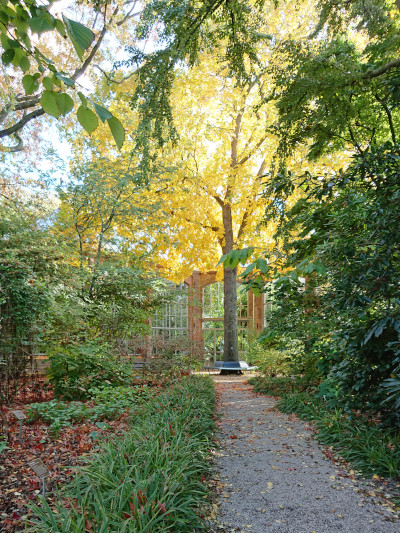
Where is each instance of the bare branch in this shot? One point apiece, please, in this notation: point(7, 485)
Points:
point(257, 146)
point(16, 148)
point(113, 80)
point(21, 123)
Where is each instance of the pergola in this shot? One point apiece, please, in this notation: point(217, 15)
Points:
point(196, 314)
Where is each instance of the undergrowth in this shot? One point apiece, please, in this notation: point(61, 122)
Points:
point(277, 386)
point(150, 480)
point(360, 441)
point(106, 404)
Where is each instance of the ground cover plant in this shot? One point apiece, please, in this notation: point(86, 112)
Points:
point(148, 480)
point(106, 404)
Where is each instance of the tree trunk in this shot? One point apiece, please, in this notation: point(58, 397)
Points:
point(231, 347)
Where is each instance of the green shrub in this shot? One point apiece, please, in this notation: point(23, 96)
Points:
point(150, 479)
point(270, 362)
point(281, 385)
point(77, 369)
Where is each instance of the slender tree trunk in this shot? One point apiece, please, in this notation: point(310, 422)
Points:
point(231, 347)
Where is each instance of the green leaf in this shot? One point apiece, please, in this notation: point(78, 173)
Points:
point(222, 260)
point(21, 25)
point(65, 79)
point(41, 24)
point(18, 56)
point(261, 264)
point(60, 28)
point(103, 113)
point(245, 254)
point(87, 119)
point(249, 269)
point(24, 64)
point(56, 81)
point(8, 56)
point(233, 258)
point(65, 103)
point(49, 103)
point(82, 35)
point(319, 267)
point(117, 131)
point(4, 18)
point(82, 98)
point(47, 83)
point(30, 84)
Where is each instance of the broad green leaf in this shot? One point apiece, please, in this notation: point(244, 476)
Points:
point(49, 103)
point(24, 64)
point(117, 131)
point(4, 18)
point(4, 41)
point(30, 84)
point(8, 56)
point(87, 119)
point(21, 25)
point(102, 112)
point(319, 267)
point(245, 254)
point(309, 268)
point(47, 83)
point(55, 80)
point(41, 24)
point(65, 103)
point(262, 265)
point(82, 35)
point(247, 271)
point(18, 56)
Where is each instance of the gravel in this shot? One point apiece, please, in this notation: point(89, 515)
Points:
point(272, 476)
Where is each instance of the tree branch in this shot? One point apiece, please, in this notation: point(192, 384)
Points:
point(389, 116)
point(16, 148)
point(257, 146)
point(382, 70)
point(21, 123)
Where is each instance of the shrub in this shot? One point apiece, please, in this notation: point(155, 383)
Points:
point(281, 385)
point(75, 370)
point(270, 362)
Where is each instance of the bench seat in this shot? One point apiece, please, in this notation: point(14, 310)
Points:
point(231, 365)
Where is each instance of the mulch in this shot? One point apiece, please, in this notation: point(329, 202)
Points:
point(18, 482)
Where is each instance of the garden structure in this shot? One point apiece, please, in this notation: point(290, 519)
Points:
point(197, 313)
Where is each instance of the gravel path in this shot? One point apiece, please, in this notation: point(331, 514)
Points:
point(273, 477)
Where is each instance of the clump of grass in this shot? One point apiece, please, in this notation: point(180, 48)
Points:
point(148, 481)
point(369, 448)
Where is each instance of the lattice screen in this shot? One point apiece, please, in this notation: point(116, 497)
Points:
point(171, 321)
point(213, 325)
